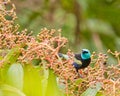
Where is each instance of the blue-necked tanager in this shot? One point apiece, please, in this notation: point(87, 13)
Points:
point(81, 60)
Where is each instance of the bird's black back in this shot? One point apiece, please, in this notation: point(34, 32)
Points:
point(78, 56)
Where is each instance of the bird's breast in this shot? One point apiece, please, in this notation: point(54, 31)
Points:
point(86, 62)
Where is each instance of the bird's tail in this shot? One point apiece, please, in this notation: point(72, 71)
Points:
point(64, 56)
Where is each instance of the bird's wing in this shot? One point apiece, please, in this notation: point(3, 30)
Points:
point(78, 61)
point(78, 56)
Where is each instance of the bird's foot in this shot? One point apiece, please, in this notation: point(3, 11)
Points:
point(80, 75)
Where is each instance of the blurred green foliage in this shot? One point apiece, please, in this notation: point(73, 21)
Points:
point(92, 24)
point(26, 80)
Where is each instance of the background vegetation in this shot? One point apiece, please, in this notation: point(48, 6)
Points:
point(92, 24)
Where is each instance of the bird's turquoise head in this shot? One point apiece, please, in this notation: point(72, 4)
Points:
point(85, 54)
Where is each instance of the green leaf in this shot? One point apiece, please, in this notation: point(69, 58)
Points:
point(79, 80)
point(7, 90)
point(12, 56)
point(14, 76)
point(92, 91)
point(52, 87)
point(3, 72)
point(39, 81)
point(100, 94)
point(32, 80)
point(36, 62)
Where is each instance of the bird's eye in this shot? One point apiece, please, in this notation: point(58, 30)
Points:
point(85, 52)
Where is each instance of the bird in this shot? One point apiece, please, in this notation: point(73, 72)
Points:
point(81, 60)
